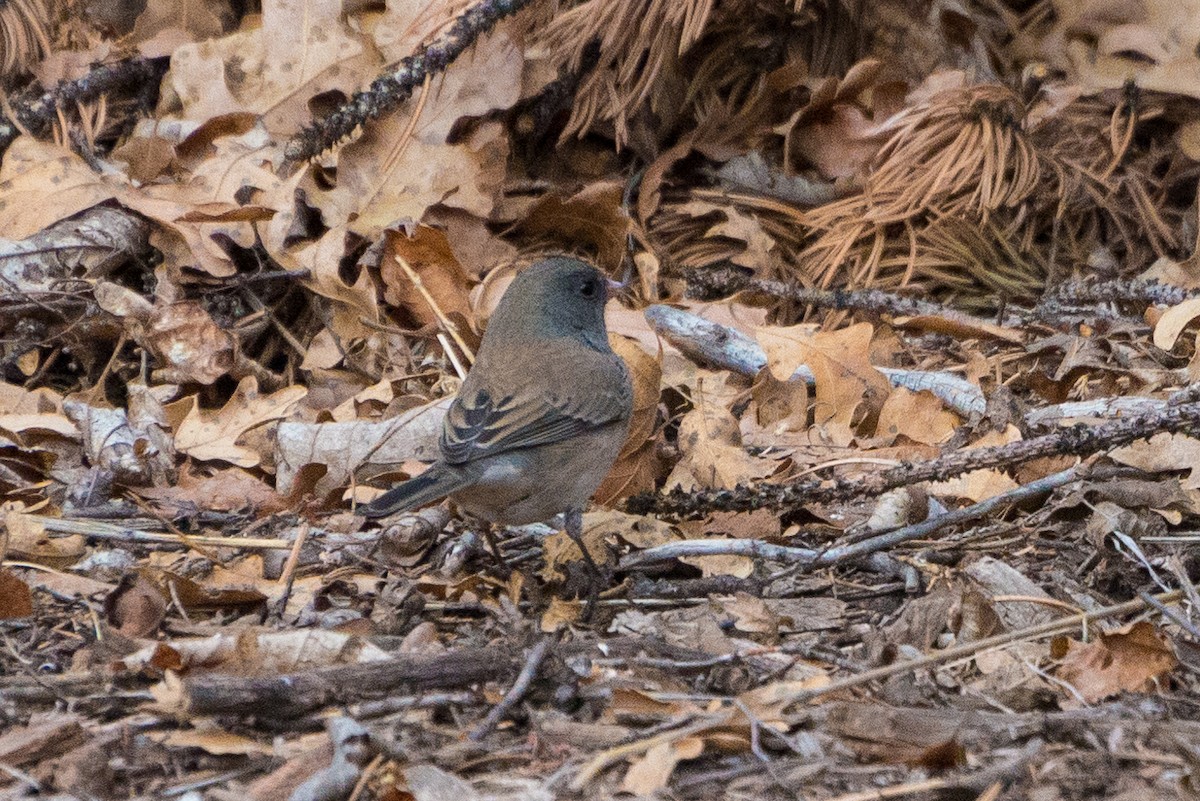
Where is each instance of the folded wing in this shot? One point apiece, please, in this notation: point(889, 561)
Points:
point(483, 423)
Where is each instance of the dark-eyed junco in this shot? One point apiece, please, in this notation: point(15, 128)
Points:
point(542, 414)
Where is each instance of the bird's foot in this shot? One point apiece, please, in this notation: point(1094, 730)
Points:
point(597, 579)
point(489, 536)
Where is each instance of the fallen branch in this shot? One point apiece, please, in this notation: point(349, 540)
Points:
point(729, 349)
point(1077, 440)
point(388, 91)
point(1116, 406)
point(755, 549)
point(712, 283)
point(292, 695)
point(811, 558)
point(36, 114)
point(1189, 394)
point(1119, 291)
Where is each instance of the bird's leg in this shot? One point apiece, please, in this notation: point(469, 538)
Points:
point(494, 547)
point(573, 524)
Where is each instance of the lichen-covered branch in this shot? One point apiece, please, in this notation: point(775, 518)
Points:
point(711, 283)
point(36, 114)
point(863, 549)
point(1122, 291)
point(1078, 440)
point(391, 89)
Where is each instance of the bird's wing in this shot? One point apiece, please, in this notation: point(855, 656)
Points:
point(483, 422)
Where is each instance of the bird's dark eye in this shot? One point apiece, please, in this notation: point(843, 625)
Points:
point(588, 290)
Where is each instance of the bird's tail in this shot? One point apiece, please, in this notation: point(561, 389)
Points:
point(434, 484)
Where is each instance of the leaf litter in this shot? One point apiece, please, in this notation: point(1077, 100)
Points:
point(909, 499)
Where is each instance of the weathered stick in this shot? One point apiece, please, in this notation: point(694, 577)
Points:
point(729, 349)
point(295, 694)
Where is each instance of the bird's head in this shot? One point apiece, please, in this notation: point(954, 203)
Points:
point(559, 296)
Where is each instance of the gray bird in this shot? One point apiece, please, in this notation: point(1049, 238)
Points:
point(541, 416)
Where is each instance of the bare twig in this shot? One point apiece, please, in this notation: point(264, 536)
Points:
point(447, 324)
point(515, 693)
point(98, 529)
point(969, 649)
point(810, 558)
point(755, 549)
point(288, 577)
point(975, 511)
point(1171, 614)
point(611, 756)
point(393, 704)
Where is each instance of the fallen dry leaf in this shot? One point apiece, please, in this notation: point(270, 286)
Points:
point(15, 598)
point(344, 448)
point(214, 740)
point(779, 406)
point(137, 606)
point(253, 652)
point(390, 174)
point(560, 613)
point(636, 467)
point(182, 336)
point(710, 445)
point(849, 389)
point(166, 24)
point(920, 416)
point(230, 489)
point(273, 68)
point(1164, 452)
point(29, 540)
point(593, 217)
point(427, 253)
point(1173, 321)
point(44, 183)
point(978, 485)
point(653, 770)
point(213, 436)
point(961, 326)
point(1129, 660)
